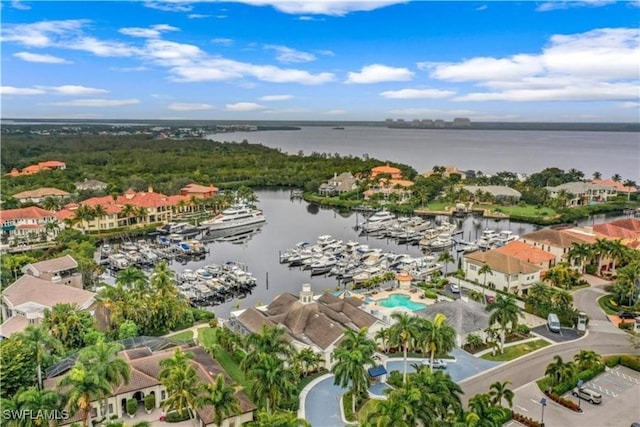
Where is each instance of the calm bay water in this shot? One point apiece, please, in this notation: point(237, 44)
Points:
point(484, 150)
point(289, 222)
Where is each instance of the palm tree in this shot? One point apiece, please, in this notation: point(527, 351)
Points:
point(51, 204)
point(352, 355)
point(271, 341)
point(307, 359)
point(539, 293)
point(383, 336)
point(558, 371)
point(616, 177)
point(85, 386)
point(35, 400)
point(500, 391)
point(485, 414)
point(103, 359)
point(41, 343)
point(128, 211)
point(131, 277)
point(617, 252)
point(273, 383)
point(404, 332)
point(221, 397)
point(279, 419)
point(179, 377)
point(627, 278)
point(587, 359)
point(484, 270)
point(600, 249)
point(505, 313)
point(446, 258)
point(438, 337)
point(441, 400)
point(596, 175)
point(84, 213)
point(580, 253)
point(99, 212)
point(561, 298)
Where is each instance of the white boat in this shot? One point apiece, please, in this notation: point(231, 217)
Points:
point(504, 237)
point(443, 241)
point(381, 216)
point(235, 216)
point(118, 261)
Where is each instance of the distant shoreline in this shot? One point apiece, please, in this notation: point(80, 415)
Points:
point(293, 125)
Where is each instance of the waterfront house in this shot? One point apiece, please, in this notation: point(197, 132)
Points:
point(27, 224)
point(144, 355)
point(339, 184)
point(390, 171)
point(197, 190)
point(558, 241)
point(43, 285)
point(447, 172)
point(401, 188)
point(618, 186)
point(627, 230)
point(38, 195)
point(525, 252)
point(90, 185)
point(509, 273)
point(500, 193)
point(582, 193)
point(315, 322)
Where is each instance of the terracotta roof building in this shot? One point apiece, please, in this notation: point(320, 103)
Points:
point(618, 186)
point(39, 167)
point(198, 190)
point(524, 252)
point(145, 369)
point(557, 241)
point(22, 223)
point(394, 173)
point(309, 322)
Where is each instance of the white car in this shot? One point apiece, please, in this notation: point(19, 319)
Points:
point(437, 363)
point(454, 288)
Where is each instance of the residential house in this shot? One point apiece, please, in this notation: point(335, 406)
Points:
point(197, 190)
point(582, 193)
point(400, 187)
point(500, 193)
point(524, 252)
point(311, 322)
point(618, 186)
point(448, 171)
point(38, 195)
point(557, 241)
point(627, 230)
point(39, 167)
point(464, 316)
point(390, 171)
point(27, 223)
point(42, 286)
point(509, 273)
point(339, 184)
point(90, 185)
point(145, 364)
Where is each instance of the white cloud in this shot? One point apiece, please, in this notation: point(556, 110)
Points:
point(154, 31)
point(555, 5)
point(244, 107)
point(97, 103)
point(276, 97)
point(326, 52)
point(378, 73)
point(332, 7)
point(309, 18)
point(169, 5)
point(417, 94)
point(287, 111)
point(481, 8)
point(129, 69)
point(104, 47)
point(43, 33)
point(197, 16)
point(600, 64)
point(287, 54)
point(73, 90)
point(19, 5)
point(189, 107)
point(222, 41)
point(43, 58)
point(634, 105)
point(19, 91)
point(336, 112)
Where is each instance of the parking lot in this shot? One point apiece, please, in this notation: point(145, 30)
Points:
point(620, 389)
point(565, 334)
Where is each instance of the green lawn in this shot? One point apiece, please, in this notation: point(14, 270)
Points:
point(515, 351)
point(526, 210)
point(182, 336)
point(605, 304)
point(206, 338)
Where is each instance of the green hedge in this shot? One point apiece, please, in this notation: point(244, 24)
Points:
point(627, 360)
point(430, 294)
point(176, 417)
point(585, 375)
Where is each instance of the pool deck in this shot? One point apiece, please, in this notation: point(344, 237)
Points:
point(413, 296)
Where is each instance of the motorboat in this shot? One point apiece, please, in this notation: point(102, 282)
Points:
point(183, 229)
point(237, 215)
point(504, 237)
point(443, 241)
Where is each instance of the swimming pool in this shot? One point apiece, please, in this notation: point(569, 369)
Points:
point(400, 300)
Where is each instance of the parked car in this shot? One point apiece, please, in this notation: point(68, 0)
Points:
point(587, 394)
point(625, 314)
point(437, 363)
point(454, 288)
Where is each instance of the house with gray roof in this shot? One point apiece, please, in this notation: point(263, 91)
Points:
point(499, 192)
point(316, 322)
point(90, 185)
point(582, 193)
point(339, 184)
point(463, 315)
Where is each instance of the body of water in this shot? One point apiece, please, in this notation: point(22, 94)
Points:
point(485, 150)
point(289, 222)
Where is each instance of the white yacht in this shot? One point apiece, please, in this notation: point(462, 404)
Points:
point(234, 216)
point(381, 216)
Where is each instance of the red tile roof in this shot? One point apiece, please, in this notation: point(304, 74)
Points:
point(32, 212)
point(502, 263)
point(527, 253)
point(620, 187)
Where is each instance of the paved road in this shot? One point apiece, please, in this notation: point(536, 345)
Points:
point(602, 337)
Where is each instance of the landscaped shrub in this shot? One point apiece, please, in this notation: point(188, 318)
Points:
point(586, 375)
point(150, 402)
point(630, 361)
point(523, 330)
point(430, 294)
point(132, 406)
point(527, 421)
point(395, 379)
point(611, 361)
point(564, 402)
point(627, 326)
point(176, 417)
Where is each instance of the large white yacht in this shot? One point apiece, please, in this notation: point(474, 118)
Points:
point(238, 215)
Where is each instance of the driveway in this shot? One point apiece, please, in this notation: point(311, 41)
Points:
point(620, 389)
point(565, 334)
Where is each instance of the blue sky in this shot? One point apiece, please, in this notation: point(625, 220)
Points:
point(323, 60)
